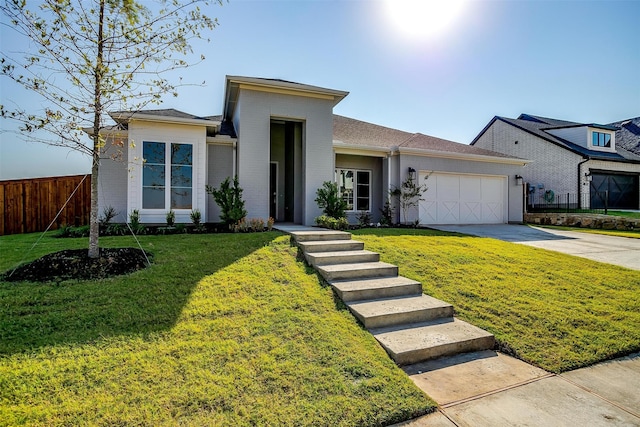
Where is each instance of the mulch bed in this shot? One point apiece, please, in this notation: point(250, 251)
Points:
point(76, 264)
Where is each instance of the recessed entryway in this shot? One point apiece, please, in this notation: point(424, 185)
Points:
point(285, 172)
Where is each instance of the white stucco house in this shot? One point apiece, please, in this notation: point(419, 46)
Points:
point(283, 141)
point(585, 161)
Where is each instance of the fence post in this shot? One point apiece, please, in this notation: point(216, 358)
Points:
point(606, 201)
point(567, 202)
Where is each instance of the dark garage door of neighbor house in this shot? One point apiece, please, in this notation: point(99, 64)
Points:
point(623, 191)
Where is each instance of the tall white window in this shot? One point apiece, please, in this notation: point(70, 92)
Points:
point(355, 188)
point(167, 175)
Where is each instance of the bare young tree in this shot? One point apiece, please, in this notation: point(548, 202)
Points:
point(90, 57)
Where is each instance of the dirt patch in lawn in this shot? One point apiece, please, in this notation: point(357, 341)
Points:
point(76, 264)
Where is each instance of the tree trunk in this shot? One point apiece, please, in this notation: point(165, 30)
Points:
point(94, 225)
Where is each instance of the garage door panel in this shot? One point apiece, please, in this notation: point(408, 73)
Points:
point(470, 212)
point(492, 213)
point(428, 211)
point(492, 189)
point(448, 187)
point(470, 189)
point(464, 199)
point(448, 211)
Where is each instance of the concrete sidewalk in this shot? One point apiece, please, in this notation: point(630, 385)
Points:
point(621, 251)
point(492, 389)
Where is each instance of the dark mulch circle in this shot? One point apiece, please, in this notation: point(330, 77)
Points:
point(76, 264)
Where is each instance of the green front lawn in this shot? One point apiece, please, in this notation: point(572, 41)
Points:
point(221, 330)
point(625, 214)
point(632, 234)
point(556, 311)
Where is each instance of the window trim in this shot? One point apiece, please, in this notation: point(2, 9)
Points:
point(355, 187)
point(168, 175)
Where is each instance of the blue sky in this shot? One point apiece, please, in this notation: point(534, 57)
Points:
point(573, 60)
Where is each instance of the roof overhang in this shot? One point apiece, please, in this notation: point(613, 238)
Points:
point(236, 83)
point(108, 132)
point(340, 147)
point(129, 117)
point(222, 140)
point(462, 156)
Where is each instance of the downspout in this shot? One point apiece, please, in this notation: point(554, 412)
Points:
point(235, 155)
point(386, 196)
point(586, 159)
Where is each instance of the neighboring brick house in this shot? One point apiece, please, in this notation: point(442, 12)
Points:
point(583, 160)
point(283, 141)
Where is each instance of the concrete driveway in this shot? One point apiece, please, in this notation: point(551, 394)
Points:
point(620, 251)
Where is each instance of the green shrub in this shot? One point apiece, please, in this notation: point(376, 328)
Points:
point(115, 230)
point(229, 199)
point(329, 200)
point(134, 219)
point(63, 230)
point(332, 223)
point(108, 214)
point(387, 215)
point(82, 231)
point(364, 219)
point(196, 217)
point(171, 218)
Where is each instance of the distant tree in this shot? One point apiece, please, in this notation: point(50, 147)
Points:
point(90, 57)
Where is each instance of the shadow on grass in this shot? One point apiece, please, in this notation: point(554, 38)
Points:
point(34, 315)
point(383, 232)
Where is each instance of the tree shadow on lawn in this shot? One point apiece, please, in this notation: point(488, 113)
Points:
point(402, 231)
point(34, 315)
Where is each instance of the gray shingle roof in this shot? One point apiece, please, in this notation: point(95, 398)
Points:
point(427, 142)
point(539, 125)
point(628, 134)
point(546, 120)
point(356, 132)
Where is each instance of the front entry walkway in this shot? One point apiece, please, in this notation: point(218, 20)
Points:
point(621, 251)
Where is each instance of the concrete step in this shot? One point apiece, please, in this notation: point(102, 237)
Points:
point(341, 257)
point(357, 271)
point(400, 310)
point(423, 341)
point(367, 289)
point(331, 246)
point(307, 236)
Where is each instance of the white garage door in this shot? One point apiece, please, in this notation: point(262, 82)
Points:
point(464, 199)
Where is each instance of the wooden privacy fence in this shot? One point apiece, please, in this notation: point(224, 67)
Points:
point(29, 205)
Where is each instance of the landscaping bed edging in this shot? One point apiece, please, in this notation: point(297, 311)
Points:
point(584, 220)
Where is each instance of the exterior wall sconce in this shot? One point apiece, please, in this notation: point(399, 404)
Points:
point(412, 173)
point(518, 180)
point(588, 176)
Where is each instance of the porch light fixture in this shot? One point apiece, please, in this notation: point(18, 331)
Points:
point(518, 180)
point(588, 176)
point(412, 173)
